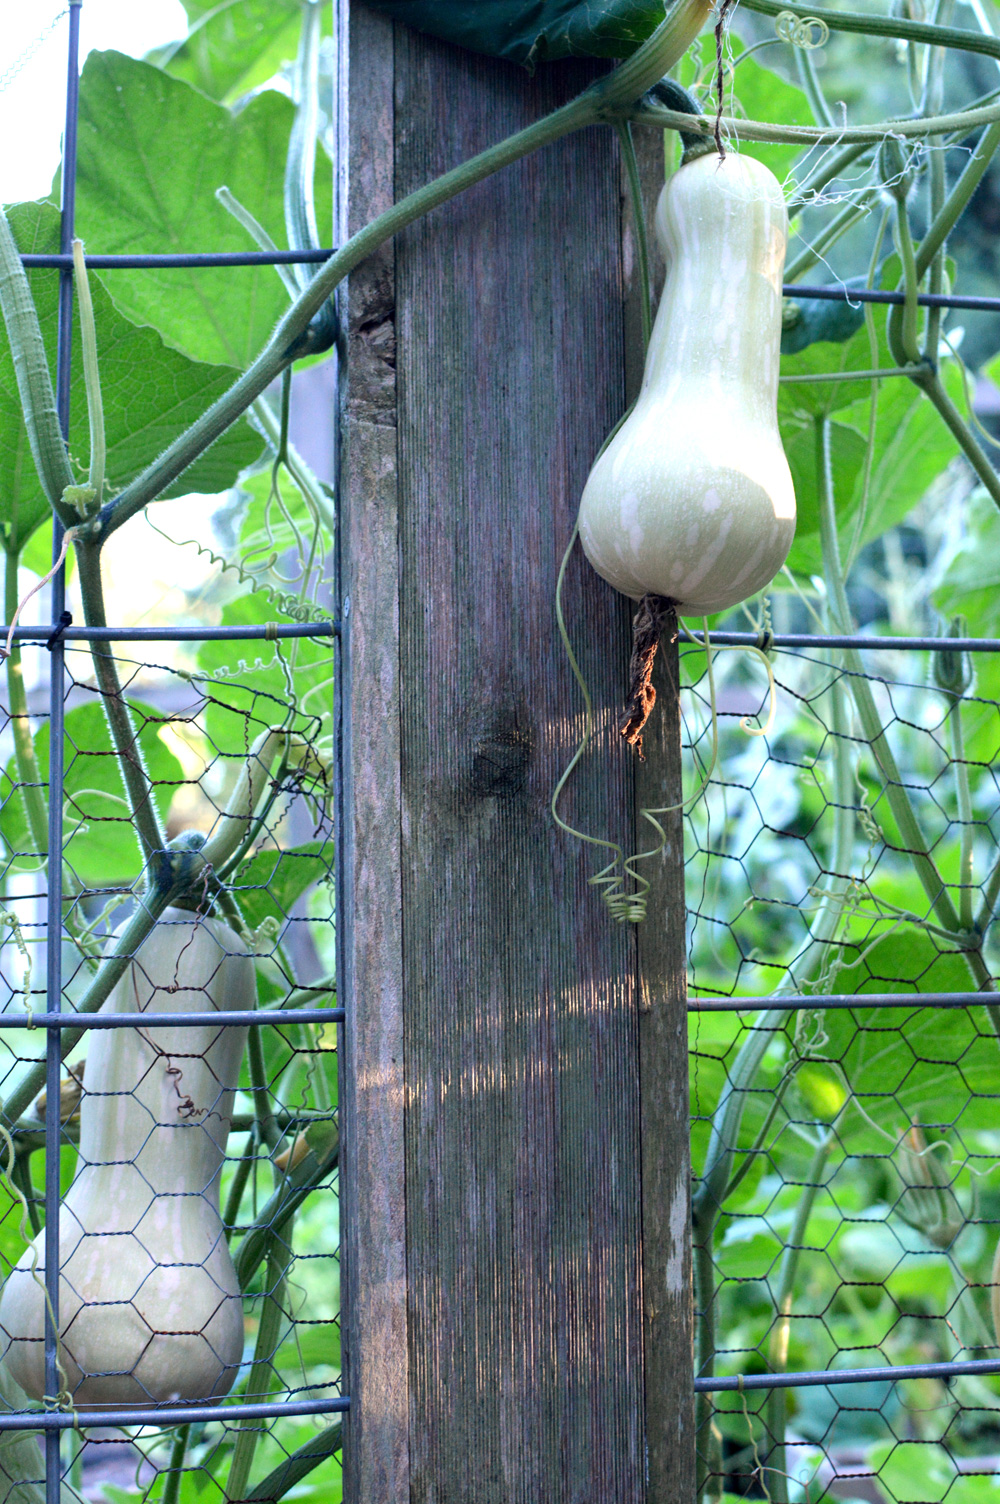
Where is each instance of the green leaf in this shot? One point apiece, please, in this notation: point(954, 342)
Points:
point(250, 690)
point(236, 46)
point(848, 448)
point(101, 847)
point(152, 153)
point(271, 881)
point(972, 582)
point(533, 31)
point(901, 1064)
point(151, 394)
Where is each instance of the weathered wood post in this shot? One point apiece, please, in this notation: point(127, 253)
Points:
point(517, 1322)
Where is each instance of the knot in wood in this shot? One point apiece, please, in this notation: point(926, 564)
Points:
point(501, 759)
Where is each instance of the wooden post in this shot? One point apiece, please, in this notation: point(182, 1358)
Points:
point(494, 1052)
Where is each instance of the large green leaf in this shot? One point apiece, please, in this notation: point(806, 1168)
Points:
point(533, 31)
point(100, 843)
point(152, 152)
point(151, 394)
point(236, 46)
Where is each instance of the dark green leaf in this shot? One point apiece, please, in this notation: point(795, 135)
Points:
point(533, 31)
point(101, 848)
point(152, 153)
point(151, 394)
point(821, 319)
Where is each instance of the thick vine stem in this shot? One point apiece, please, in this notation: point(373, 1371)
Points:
point(123, 732)
point(34, 381)
point(299, 1465)
point(882, 26)
point(961, 121)
point(602, 102)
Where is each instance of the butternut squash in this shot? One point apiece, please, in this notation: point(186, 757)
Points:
point(692, 499)
point(149, 1304)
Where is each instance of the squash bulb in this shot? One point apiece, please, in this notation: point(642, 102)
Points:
point(149, 1304)
point(693, 499)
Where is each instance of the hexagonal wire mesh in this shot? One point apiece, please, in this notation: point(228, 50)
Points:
point(847, 1177)
point(198, 1230)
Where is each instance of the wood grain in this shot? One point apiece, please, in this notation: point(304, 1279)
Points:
point(521, 1047)
point(514, 1178)
point(668, 1320)
point(376, 1463)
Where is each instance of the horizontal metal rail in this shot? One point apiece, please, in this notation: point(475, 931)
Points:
point(811, 1378)
point(842, 1000)
point(238, 1019)
point(267, 632)
point(167, 259)
point(834, 294)
point(165, 1415)
point(178, 258)
point(859, 640)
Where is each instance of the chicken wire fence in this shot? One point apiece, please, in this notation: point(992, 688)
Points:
point(845, 1145)
point(161, 1299)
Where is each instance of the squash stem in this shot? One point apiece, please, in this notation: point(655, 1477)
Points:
point(967, 441)
point(238, 1184)
point(267, 1128)
point(908, 317)
point(811, 88)
point(34, 381)
point(282, 1479)
point(91, 375)
point(964, 797)
point(957, 200)
point(624, 132)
